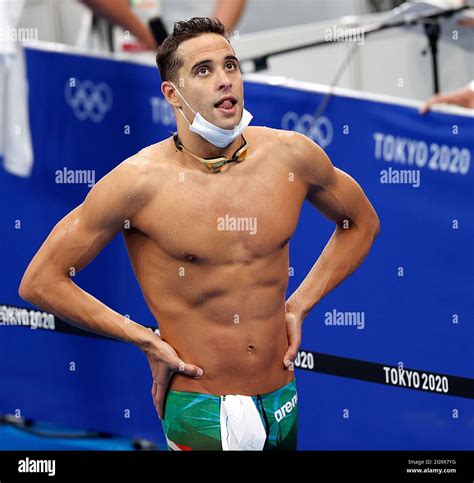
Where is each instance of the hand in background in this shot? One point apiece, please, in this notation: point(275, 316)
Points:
point(463, 97)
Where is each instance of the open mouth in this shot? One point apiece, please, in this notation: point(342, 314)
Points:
point(227, 105)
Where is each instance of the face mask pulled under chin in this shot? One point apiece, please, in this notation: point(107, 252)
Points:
point(210, 132)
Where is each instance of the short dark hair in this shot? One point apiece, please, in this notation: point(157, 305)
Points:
point(167, 60)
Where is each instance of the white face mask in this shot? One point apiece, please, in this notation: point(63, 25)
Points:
point(210, 132)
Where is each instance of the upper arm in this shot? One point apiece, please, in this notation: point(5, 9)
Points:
point(229, 13)
point(332, 191)
point(85, 231)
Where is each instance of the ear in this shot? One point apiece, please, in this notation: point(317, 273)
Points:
point(170, 94)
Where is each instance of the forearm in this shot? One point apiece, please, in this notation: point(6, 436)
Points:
point(119, 12)
point(229, 12)
point(69, 302)
point(345, 251)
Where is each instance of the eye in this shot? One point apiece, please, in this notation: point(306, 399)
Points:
point(231, 64)
point(199, 71)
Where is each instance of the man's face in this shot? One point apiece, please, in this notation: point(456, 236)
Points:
point(211, 73)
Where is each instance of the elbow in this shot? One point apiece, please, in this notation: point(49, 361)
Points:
point(370, 227)
point(376, 226)
point(27, 289)
point(36, 290)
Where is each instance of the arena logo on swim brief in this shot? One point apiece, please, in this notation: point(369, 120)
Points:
point(32, 318)
point(338, 318)
point(75, 176)
point(286, 409)
point(236, 223)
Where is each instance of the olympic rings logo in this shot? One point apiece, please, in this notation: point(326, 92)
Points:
point(319, 130)
point(88, 100)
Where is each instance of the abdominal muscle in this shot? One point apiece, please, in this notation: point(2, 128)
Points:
point(224, 316)
point(238, 337)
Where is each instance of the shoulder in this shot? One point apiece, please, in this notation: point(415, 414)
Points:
point(301, 154)
point(147, 166)
point(300, 145)
point(155, 157)
point(292, 141)
point(135, 178)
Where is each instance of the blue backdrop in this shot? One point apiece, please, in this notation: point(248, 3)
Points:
point(413, 293)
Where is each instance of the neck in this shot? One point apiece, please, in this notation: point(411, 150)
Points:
point(200, 147)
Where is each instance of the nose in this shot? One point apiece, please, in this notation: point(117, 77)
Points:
point(224, 80)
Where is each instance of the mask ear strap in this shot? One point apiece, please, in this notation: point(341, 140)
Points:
point(185, 101)
point(182, 113)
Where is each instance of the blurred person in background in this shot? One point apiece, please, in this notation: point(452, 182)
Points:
point(229, 12)
point(16, 151)
point(150, 28)
point(119, 12)
point(463, 97)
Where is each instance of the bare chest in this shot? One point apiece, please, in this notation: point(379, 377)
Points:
point(199, 216)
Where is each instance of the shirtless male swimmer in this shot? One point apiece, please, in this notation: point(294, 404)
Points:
point(222, 365)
